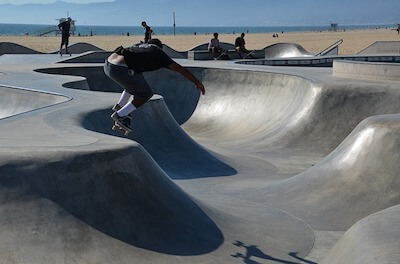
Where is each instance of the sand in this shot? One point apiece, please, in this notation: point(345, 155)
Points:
point(353, 41)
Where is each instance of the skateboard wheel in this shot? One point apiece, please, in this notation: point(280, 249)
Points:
point(126, 133)
point(114, 127)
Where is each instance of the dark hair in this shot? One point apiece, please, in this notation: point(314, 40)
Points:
point(156, 42)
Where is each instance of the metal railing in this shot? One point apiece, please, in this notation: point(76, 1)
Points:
point(331, 47)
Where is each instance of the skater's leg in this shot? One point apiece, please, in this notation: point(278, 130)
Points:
point(124, 99)
point(132, 106)
point(66, 44)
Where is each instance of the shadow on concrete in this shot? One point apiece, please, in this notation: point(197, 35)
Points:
point(157, 131)
point(252, 251)
point(122, 194)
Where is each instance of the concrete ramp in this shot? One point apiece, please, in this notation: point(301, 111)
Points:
point(80, 47)
point(155, 128)
point(358, 178)
point(204, 46)
point(270, 166)
point(285, 50)
point(173, 53)
point(375, 239)
point(120, 192)
point(87, 57)
point(13, 48)
point(14, 101)
point(382, 47)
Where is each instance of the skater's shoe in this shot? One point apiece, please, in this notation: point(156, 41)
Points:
point(124, 122)
point(117, 107)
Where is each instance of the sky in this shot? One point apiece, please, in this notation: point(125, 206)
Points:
point(203, 12)
point(21, 2)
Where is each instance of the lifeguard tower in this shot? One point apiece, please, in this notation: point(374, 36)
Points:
point(55, 28)
point(334, 27)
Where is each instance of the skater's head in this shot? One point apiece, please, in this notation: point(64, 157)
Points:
point(69, 19)
point(144, 24)
point(156, 42)
point(215, 35)
point(242, 35)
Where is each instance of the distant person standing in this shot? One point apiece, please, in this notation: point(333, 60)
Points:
point(398, 28)
point(147, 32)
point(65, 27)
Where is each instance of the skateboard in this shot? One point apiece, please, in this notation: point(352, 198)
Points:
point(120, 128)
point(249, 55)
point(223, 53)
point(70, 54)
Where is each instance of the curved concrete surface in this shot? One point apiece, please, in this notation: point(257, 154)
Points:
point(285, 50)
point(375, 239)
point(367, 70)
point(173, 53)
point(204, 46)
point(382, 47)
point(78, 48)
point(13, 48)
point(15, 101)
point(270, 166)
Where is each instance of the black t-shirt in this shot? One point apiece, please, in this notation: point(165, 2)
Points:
point(239, 42)
point(146, 58)
point(65, 27)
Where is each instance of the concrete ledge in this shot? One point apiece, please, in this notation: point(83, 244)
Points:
point(206, 55)
point(366, 70)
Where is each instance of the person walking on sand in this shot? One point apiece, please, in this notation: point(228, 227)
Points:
point(64, 28)
point(147, 32)
point(125, 66)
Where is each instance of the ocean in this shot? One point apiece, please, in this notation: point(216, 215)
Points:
point(23, 29)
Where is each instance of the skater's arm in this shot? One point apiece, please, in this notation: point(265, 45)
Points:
point(188, 75)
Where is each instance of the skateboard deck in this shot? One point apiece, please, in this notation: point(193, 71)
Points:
point(223, 53)
point(118, 127)
point(249, 55)
point(70, 54)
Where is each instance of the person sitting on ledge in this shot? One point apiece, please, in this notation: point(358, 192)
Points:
point(240, 46)
point(215, 48)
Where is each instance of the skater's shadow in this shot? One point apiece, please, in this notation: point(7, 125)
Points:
point(252, 251)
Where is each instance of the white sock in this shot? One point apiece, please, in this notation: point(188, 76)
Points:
point(126, 110)
point(124, 98)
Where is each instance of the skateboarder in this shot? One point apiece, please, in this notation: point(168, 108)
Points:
point(125, 67)
point(147, 32)
point(65, 27)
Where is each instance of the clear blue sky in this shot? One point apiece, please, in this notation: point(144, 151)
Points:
point(204, 12)
point(21, 2)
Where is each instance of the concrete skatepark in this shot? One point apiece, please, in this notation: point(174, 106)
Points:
point(272, 165)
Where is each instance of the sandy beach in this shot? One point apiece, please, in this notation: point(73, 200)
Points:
point(353, 41)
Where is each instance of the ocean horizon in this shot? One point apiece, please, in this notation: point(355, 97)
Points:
point(30, 29)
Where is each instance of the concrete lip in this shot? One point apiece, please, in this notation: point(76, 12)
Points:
point(271, 165)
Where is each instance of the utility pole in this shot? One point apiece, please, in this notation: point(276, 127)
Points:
point(174, 22)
